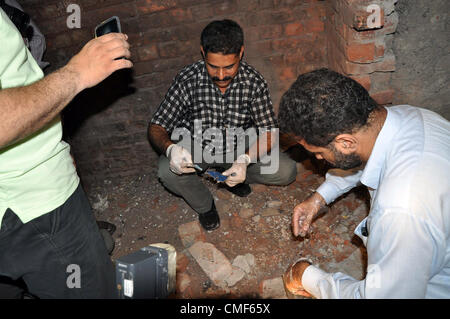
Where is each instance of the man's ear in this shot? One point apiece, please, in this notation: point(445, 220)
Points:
point(346, 143)
point(241, 53)
point(202, 52)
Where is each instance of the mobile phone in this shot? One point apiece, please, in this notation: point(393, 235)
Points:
point(110, 25)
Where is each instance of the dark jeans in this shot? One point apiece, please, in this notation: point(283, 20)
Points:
point(50, 251)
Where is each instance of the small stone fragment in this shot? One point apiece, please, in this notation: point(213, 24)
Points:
point(270, 212)
point(246, 212)
point(273, 289)
point(274, 204)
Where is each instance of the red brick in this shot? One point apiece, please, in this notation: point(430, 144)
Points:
point(183, 282)
point(191, 233)
point(339, 63)
point(383, 97)
point(175, 49)
point(314, 25)
point(351, 35)
point(287, 73)
point(379, 50)
point(364, 80)
point(149, 52)
point(182, 262)
point(93, 18)
point(247, 5)
point(167, 18)
point(258, 48)
point(316, 11)
point(225, 7)
point(287, 44)
point(294, 28)
point(61, 40)
point(360, 52)
point(203, 11)
point(150, 6)
point(269, 31)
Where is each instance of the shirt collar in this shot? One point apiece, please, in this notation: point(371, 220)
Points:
point(372, 172)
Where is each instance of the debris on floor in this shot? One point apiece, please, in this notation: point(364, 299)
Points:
point(247, 256)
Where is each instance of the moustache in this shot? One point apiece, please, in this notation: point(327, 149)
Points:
point(216, 79)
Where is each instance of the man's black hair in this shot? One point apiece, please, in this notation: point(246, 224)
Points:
point(322, 104)
point(222, 36)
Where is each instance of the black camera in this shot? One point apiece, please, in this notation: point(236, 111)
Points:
point(108, 26)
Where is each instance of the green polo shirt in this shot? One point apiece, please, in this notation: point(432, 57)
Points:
point(37, 173)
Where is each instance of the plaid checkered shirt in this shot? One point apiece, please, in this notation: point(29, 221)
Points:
point(195, 103)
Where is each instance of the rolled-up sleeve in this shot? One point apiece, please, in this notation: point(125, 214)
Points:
point(338, 182)
point(400, 249)
point(172, 108)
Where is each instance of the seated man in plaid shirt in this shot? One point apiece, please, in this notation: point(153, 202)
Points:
point(221, 109)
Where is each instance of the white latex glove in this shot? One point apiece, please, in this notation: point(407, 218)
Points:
point(238, 171)
point(180, 160)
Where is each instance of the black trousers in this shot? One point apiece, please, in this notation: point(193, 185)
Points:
point(60, 254)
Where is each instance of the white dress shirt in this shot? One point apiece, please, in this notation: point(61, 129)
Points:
point(407, 232)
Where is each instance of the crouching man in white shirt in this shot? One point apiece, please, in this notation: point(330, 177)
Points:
point(402, 154)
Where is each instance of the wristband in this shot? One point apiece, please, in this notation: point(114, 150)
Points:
point(244, 158)
point(168, 150)
point(309, 261)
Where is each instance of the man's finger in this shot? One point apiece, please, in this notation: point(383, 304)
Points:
point(295, 223)
point(226, 173)
point(111, 36)
point(300, 222)
point(121, 64)
point(119, 53)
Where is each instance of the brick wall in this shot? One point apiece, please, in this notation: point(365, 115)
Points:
point(107, 125)
point(360, 49)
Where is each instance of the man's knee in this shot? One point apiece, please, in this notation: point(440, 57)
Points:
point(165, 175)
point(164, 172)
point(284, 174)
point(287, 172)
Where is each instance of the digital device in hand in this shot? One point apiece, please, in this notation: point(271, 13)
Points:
point(110, 25)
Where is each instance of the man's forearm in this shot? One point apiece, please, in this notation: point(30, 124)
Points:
point(24, 110)
point(159, 138)
point(338, 182)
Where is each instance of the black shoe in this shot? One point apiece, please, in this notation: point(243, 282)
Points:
point(241, 190)
point(107, 230)
point(111, 228)
point(109, 240)
point(210, 220)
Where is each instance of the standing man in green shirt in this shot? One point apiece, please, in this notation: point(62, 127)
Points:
point(48, 234)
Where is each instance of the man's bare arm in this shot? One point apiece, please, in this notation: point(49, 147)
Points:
point(159, 138)
point(24, 110)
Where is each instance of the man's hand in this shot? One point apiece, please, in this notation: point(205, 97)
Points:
point(305, 212)
point(292, 279)
point(238, 171)
point(97, 59)
point(180, 160)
